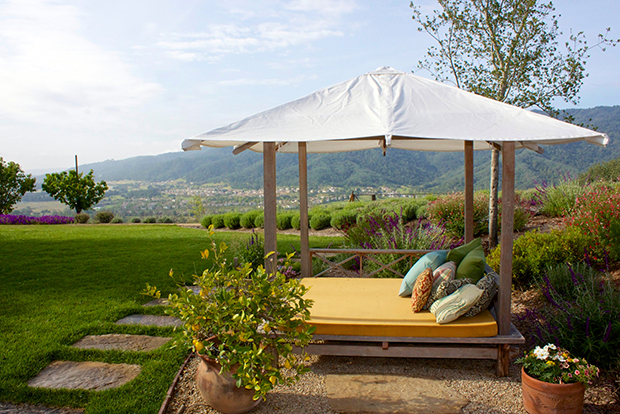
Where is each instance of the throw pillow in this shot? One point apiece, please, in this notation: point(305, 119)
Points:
point(457, 304)
point(489, 286)
point(421, 290)
point(458, 254)
point(445, 289)
point(472, 266)
point(444, 273)
point(432, 260)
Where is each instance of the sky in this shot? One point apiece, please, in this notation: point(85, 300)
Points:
point(121, 78)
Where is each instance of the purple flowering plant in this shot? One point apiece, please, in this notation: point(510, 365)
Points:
point(18, 219)
point(556, 365)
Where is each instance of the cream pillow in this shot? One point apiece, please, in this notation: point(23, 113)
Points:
point(457, 304)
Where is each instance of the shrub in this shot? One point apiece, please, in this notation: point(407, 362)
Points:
point(136, 220)
point(598, 213)
point(259, 221)
point(19, 219)
point(82, 218)
point(296, 221)
point(166, 220)
point(343, 219)
point(253, 251)
point(218, 221)
point(150, 220)
point(320, 221)
point(533, 252)
point(232, 220)
point(206, 221)
point(605, 171)
point(449, 210)
point(248, 219)
point(117, 220)
point(283, 220)
point(583, 313)
point(559, 200)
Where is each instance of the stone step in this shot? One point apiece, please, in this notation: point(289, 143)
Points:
point(87, 375)
point(156, 302)
point(390, 394)
point(121, 342)
point(149, 320)
point(9, 408)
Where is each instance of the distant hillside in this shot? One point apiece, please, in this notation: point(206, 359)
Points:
point(425, 171)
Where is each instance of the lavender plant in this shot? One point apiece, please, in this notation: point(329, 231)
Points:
point(582, 313)
point(18, 219)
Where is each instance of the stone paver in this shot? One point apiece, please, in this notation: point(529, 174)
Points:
point(88, 375)
point(8, 408)
point(121, 342)
point(390, 394)
point(156, 302)
point(150, 320)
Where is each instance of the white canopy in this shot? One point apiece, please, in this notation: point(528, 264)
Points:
point(388, 108)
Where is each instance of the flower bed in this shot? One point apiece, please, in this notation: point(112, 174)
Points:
point(13, 219)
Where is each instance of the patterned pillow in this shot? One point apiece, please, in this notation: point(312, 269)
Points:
point(432, 259)
point(421, 290)
point(489, 286)
point(455, 305)
point(443, 273)
point(444, 289)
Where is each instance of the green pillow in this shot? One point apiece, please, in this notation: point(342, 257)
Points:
point(458, 254)
point(433, 260)
point(472, 266)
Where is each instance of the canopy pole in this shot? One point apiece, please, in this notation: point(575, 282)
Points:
point(270, 207)
point(508, 202)
point(469, 191)
point(306, 261)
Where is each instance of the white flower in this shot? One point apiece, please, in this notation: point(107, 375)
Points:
point(541, 353)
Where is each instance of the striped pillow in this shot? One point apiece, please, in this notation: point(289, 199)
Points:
point(443, 273)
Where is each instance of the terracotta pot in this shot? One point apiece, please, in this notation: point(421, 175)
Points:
point(221, 391)
point(542, 397)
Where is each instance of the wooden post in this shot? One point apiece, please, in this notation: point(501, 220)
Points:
point(270, 207)
point(508, 202)
point(306, 261)
point(469, 191)
point(76, 166)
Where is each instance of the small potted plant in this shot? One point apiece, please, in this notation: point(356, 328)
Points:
point(554, 381)
point(242, 322)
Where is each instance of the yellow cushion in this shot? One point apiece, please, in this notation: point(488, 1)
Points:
point(370, 307)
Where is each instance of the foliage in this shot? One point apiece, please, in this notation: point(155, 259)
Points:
point(136, 220)
point(14, 219)
point(253, 252)
point(245, 318)
point(604, 171)
point(197, 208)
point(259, 221)
point(283, 220)
point(559, 200)
point(320, 221)
point(597, 213)
point(82, 218)
point(390, 231)
point(78, 191)
point(247, 219)
point(534, 251)
point(150, 220)
point(557, 366)
point(205, 221)
point(343, 219)
point(217, 221)
point(166, 220)
point(117, 220)
point(104, 216)
point(231, 220)
point(449, 211)
point(296, 221)
point(14, 183)
point(582, 313)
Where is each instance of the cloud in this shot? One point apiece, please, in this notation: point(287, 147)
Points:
point(279, 26)
point(278, 82)
point(49, 70)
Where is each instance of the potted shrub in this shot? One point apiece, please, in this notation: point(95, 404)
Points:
point(554, 381)
point(241, 324)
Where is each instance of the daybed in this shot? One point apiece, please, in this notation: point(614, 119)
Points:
point(366, 317)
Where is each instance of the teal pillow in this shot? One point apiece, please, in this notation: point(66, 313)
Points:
point(432, 260)
point(472, 266)
point(458, 254)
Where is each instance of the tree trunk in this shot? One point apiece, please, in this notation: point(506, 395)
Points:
point(493, 197)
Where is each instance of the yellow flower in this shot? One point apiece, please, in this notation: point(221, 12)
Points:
point(550, 363)
point(199, 346)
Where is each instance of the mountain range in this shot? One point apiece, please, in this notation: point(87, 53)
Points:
point(421, 171)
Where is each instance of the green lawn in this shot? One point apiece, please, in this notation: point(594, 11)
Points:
point(60, 283)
